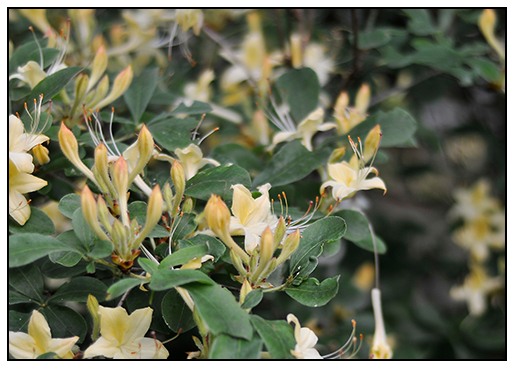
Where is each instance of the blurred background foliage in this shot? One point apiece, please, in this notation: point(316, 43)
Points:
point(436, 64)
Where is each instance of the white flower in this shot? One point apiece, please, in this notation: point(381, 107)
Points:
point(306, 340)
point(39, 340)
point(191, 159)
point(251, 216)
point(122, 336)
point(20, 143)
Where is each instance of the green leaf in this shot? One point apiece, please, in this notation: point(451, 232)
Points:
point(28, 247)
point(225, 347)
point(27, 280)
point(53, 84)
point(214, 246)
point(17, 298)
point(140, 92)
point(101, 249)
point(138, 210)
point(486, 68)
point(421, 23)
point(197, 107)
point(65, 322)
point(184, 226)
point(182, 256)
point(373, 39)
point(48, 356)
point(358, 231)
point(217, 181)
point(82, 229)
point(291, 163)
point(78, 290)
point(164, 279)
point(19, 322)
point(301, 88)
point(252, 299)
point(220, 311)
point(304, 260)
point(68, 258)
point(38, 222)
point(233, 153)
point(148, 265)
point(122, 286)
point(313, 293)
point(173, 133)
point(176, 314)
point(57, 271)
point(397, 127)
point(277, 336)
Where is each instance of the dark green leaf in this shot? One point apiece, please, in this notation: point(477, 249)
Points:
point(214, 246)
point(197, 107)
point(217, 181)
point(38, 222)
point(184, 226)
point(164, 279)
point(304, 260)
point(82, 229)
point(101, 249)
point(138, 210)
point(252, 299)
point(148, 265)
point(48, 356)
point(358, 231)
point(53, 84)
point(65, 322)
point(182, 256)
point(122, 286)
point(277, 336)
point(28, 281)
point(292, 163)
point(486, 68)
point(28, 247)
point(56, 271)
point(218, 308)
point(68, 258)
point(140, 92)
point(313, 293)
point(373, 39)
point(225, 347)
point(173, 133)
point(19, 322)
point(176, 313)
point(301, 88)
point(78, 290)
point(17, 298)
point(421, 23)
point(233, 153)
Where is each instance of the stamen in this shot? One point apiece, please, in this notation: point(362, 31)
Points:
point(39, 48)
point(208, 134)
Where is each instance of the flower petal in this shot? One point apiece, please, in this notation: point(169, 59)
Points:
point(21, 345)
point(102, 347)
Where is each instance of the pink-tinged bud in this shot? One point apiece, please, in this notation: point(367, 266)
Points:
point(70, 149)
point(89, 209)
point(363, 99)
point(372, 143)
point(98, 67)
point(120, 85)
point(289, 246)
point(145, 147)
point(154, 212)
point(41, 154)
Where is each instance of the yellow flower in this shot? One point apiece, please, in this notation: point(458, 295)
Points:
point(39, 340)
point(346, 178)
point(474, 202)
point(251, 216)
point(122, 336)
point(192, 160)
point(305, 339)
point(306, 129)
point(20, 143)
point(475, 290)
point(349, 117)
point(19, 184)
point(380, 349)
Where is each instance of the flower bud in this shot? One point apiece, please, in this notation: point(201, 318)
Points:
point(70, 149)
point(145, 147)
point(340, 113)
point(154, 212)
point(89, 209)
point(120, 85)
point(38, 18)
point(289, 246)
point(187, 206)
point(237, 263)
point(363, 99)
point(336, 155)
point(266, 251)
point(246, 288)
point(178, 178)
point(103, 214)
point(81, 85)
point(372, 143)
point(100, 92)
point(218, 216)
point(487, 21)
point(296, 50)
point(120, 241)
point(280, 231)
point(168, 196)
point(41, 154)
point(98, 67)
point(380, 349)
point(92, 304)
point(120, 175)
point(101, 169)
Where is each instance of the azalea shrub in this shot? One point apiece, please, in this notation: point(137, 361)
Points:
point(246, 184)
